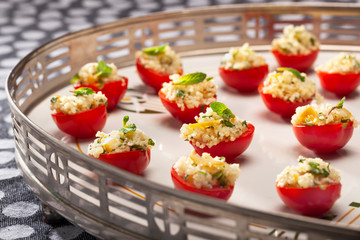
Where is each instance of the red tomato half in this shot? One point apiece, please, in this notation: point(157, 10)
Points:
point(114, 91)
point(244, 80)
point(229, 149)
point(298, 62)
point(152, 78)
point(280, 106)
point(185, 116)
point(312, 201)
point(133, 161)
point(81, 125)
point(215, 192)
point(339, 83)
point(325, 138)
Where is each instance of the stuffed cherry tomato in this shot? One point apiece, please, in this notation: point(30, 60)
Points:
point(219, 132)
point(80, 115)
point(104, 78)
point(284, 91)
point(323, 128)
point(296, 48)
point(243, 69)
point(311, 188)
point(214, 179)
point(128, 148)
point(340, 75)
point(156, 64)
point(187, 96)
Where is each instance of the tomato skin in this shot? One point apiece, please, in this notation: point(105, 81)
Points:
point(312, 201)
point(229, 149)
point(186, 116)
point(153, 78)
point(81, 125)
point(114, 91)
point(280, 106)
point(215, 192)
point(132, 161)
point(339, 83)
point(245, 80)
point(298, 62)
point(325, 138)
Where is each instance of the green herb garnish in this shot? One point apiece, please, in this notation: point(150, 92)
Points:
point(307, 124)
point(191, 78)
point(75, 78)
point(153, 51)
point(338, 106)
point(137, 147)
point(293, 71)
point(151, 142)
point(222, 110)
point(127, 127)
point(202, 172)
point(103, 70)
point(217, 174)
point(82, 91)
point(312, 40)
point(53, 99)
point(244, 123)
point(180, 94)
point(227, 123)
point(317, 171)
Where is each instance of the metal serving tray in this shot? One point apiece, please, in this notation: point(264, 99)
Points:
point(111, 203)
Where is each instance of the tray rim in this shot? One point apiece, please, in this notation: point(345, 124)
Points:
point(138, 179)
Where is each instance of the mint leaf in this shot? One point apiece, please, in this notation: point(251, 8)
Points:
point(127, 127)
point(103, 70)
point(338, 106)
point(82, 91)
point(154, 51)
point(75, 78)
point(293, 71)
point(190, 79)
point(222, 110)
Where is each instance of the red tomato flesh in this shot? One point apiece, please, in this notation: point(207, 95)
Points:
point(152, 78)
point(114, 91)
point(215, 192)
point(325, 138)
point(339, 83)
point(81, 125)
point(229, 149)
point(280, 106)
point(246, 80)
point(185, 116)
point(298, 62)
point(132, 161)
point(312, 201)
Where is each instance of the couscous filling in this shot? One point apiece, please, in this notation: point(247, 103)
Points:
point(205, 171)
point(289, 85)
point(217, 124)
point(191, 90)
point(242, 58)
point(310, 172)
point(83, 99)
point(162, 59)
point(323, 114)
point(98, 74)
point(296, 40)
point(128, 138)
point(342, 63)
